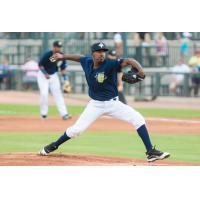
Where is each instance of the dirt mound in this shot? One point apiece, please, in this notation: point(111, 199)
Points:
point(32, 159)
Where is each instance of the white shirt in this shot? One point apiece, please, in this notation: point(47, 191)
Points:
point(31, 68)
point(118, 38)
point(183, 68)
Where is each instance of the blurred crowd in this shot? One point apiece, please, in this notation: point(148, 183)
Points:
point(8, 74)
point(149, 48)
point(145, 42)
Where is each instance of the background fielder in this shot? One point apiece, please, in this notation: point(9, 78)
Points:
point(101, 76)
point(48, 79)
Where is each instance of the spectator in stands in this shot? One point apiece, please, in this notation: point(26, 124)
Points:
point(136, 40)
point(178, 75)
point(194, 63)
point(147, 44)
point(161, 49)
point(113, 56)
point(4, 74)
point(184, 44)
point(30, 76)
point(137, 44)
point(118, 43)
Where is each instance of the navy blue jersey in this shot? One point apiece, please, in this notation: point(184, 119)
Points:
point(51, 67)
point(102, 81)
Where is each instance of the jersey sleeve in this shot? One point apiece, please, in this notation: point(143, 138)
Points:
point(43, 59)
point(64, 65)
point(83, 61)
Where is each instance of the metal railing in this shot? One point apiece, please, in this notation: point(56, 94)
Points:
point(82, 35)
point(150, 57)
point(158, 84)
point(18, 54)
point(155, 84)
point(147, 56)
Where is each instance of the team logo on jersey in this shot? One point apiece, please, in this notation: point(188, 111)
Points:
point(52, 59)
point(100, 77)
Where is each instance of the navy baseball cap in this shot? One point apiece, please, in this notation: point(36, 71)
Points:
point(57, 44)
point(98, 47)
point(112, 53)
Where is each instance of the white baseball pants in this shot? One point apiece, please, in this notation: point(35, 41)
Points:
point(113, 108)
point(54, 85)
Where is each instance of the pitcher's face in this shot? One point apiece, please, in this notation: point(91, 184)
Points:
point(99, 56)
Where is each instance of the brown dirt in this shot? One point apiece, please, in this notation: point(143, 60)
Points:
point(32, 98)
point(55, 124)
point(31, 124)
point(155, 125)
point(30, 159)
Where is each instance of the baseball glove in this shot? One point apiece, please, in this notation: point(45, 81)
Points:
point(67, 87)
point(132, 76)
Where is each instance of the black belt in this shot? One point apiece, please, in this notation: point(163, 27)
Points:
point(114, 99)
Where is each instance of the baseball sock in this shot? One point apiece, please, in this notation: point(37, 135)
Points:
point(62, 139)
point(143, 133)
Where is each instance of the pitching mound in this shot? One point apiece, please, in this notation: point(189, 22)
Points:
point(31, 159)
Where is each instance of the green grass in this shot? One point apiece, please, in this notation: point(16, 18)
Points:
point(169, 112)
point(33, 110)
point(182, 147)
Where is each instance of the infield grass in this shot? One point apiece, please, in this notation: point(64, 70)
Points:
point(121, 144)
point(33, 110)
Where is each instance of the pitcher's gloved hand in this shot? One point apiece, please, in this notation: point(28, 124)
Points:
point(132, 76)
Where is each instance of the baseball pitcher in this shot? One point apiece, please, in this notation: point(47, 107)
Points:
point(101, 76)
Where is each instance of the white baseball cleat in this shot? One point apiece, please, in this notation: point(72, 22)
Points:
point(42, 152)
point(48, 149)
